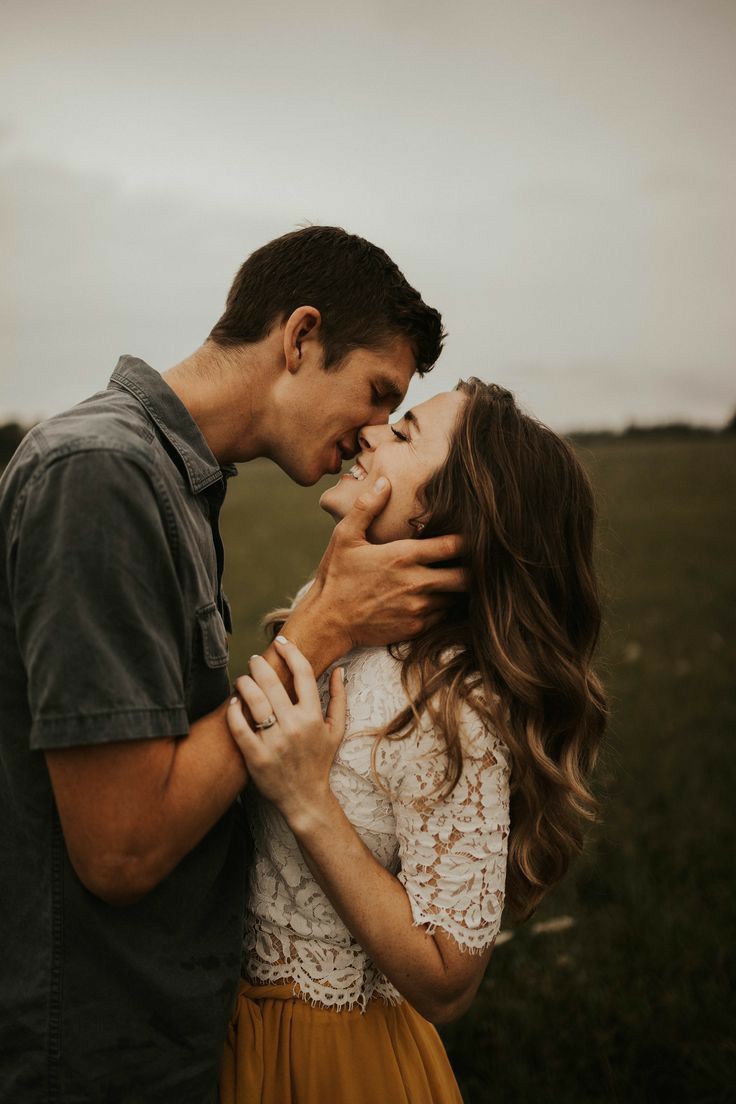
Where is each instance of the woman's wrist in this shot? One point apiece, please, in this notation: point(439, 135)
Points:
point(307, 820)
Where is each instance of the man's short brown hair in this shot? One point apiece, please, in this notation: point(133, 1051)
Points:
point(363, 298)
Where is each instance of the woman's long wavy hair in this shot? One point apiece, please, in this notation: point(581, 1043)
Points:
point(518, 646)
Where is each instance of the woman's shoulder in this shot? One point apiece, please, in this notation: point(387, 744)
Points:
point(374, 688)
point(377, 694)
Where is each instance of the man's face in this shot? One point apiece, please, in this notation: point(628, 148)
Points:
point(323, 411)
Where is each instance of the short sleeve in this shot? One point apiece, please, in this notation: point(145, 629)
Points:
point(453, 849)
point(98, 608)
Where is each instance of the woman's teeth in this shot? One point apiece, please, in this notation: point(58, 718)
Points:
point(357, 472)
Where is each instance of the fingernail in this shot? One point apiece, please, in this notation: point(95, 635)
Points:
point(342, 675)
point(282, 640)
point(255, 656)
point(234, 699)
point(380, 483)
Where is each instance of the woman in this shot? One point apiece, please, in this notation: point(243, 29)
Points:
point(460, 769)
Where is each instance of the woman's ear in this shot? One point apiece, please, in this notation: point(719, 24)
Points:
point(301, 336)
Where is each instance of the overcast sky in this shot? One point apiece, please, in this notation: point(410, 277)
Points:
point(558, 178)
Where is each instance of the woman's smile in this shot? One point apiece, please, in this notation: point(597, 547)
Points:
point(407, 453)
point(356, 472)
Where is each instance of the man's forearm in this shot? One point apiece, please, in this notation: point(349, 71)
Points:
point(317, 631)
point(131, 811)
point(207, 774)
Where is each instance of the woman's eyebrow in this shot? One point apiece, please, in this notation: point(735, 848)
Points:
point(411, 417)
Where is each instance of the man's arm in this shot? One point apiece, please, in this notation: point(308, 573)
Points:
point(131, 811)
point(104, 632)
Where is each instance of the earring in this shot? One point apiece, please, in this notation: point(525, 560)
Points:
point(419, 526)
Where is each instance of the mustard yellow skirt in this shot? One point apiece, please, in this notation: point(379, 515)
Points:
point(283, 1050)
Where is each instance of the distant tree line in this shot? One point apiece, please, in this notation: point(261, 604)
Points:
point(12, 433)
point(655, 431)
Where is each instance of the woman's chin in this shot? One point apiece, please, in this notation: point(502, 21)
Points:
point(330, 506)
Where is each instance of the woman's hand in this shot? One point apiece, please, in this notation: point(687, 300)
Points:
point(289, 760)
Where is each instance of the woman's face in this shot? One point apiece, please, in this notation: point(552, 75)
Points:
point(408, 453)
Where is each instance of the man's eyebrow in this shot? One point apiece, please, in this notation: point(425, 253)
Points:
point(411, 417)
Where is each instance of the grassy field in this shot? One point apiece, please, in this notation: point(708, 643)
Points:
point(630, 1002)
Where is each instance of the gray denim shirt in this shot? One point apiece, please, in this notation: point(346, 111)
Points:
point(112, 627)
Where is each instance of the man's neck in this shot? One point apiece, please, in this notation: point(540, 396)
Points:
point(224, 390)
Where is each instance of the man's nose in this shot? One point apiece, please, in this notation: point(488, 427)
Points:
point(366, 438)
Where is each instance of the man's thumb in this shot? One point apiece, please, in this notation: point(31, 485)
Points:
point(366, 508)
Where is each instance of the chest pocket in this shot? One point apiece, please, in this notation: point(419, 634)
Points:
point(208, 676)
point(214, 636)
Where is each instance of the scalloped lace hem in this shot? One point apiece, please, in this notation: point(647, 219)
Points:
point(322, 996)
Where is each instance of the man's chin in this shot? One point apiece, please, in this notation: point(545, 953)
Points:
point(303, 477)
point(319, 471)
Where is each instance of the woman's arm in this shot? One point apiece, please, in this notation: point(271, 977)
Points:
point(290, 764)
point(430, 970)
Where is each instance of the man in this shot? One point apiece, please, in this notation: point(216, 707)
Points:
point(121, 849)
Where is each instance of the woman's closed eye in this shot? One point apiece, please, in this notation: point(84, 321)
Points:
point(398, 434)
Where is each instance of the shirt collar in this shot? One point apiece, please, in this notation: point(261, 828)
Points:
point(173, 419)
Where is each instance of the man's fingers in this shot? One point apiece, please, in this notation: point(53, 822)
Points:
point(453, 579)
point(432, 619)
point(440, 601)
point(437, 549)
point(435, 612)
point(365, 509)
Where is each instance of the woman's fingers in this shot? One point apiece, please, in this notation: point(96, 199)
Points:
point(259, 705)
point(305, 683)
point(240, 730)
point(289, 763)
point(271, 686)
point(337, 707)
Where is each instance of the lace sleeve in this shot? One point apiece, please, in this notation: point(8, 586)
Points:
point(453, 849)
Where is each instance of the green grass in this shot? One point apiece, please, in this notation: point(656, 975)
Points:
point(632, 1004)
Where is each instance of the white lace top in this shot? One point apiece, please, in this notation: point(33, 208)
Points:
point(449, 854)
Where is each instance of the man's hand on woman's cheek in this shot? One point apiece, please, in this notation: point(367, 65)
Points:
point(382, 593)
point(370, 594)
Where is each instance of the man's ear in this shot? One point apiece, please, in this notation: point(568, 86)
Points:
point(301, 337)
